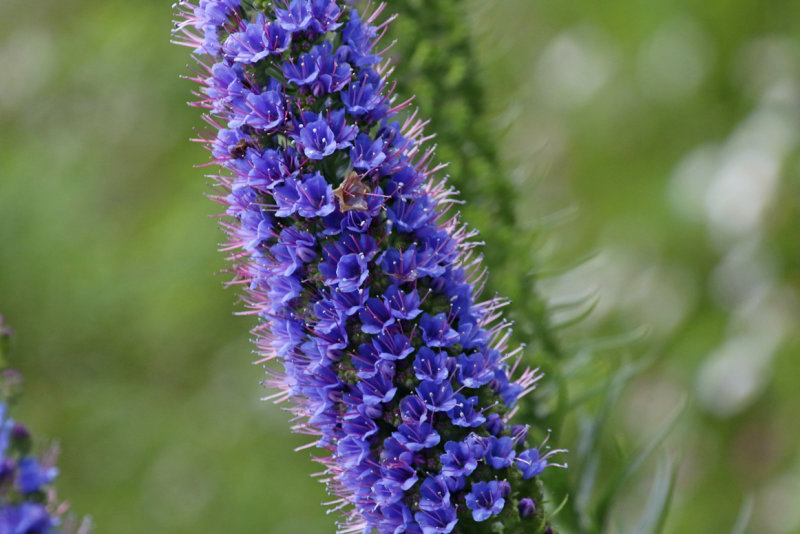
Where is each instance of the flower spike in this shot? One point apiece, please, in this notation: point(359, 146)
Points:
point(364, 278)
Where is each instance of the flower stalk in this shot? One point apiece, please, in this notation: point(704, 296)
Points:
point(365, 280)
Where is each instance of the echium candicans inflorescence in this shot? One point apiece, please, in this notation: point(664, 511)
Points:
point(365, 283)
point(24, 482)
point(27, 499)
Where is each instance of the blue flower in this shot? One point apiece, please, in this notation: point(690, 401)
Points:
point(494, 424)
point(416, 436)
point(486, 499)
point(359, 39)
point(532, 463)
point(265, 110)
point(366, 153)
point(434, 494)
point(438, 397)
point(364, 97)
point(375, 317)
point(459, 460)
point(403, 305)
point(257, 41)
point(501, 452)
point(474, 370)
point(464, 414)
point(26, 518)
point(526, 507)
point(439, 521)
point(315, 197)
point(303, 72)
point(325, 15)
point(333, 73)
point(32, 476)
point(430, 365)
point(25, 492)
point(318, 140)
point(412, 408)
point(408, 216)
point(436, 331)
point(295, 19)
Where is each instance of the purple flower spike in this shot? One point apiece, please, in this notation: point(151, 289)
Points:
point(364, 281)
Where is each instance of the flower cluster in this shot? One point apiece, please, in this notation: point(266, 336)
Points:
point(27, 500)
point(366, 284)
point(23, 482)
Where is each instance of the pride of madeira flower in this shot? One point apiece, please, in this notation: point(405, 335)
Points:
point(365, 282)
point(23, 482)
point(28, 502)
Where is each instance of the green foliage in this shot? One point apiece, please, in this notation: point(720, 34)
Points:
point(131, 352)
point(434, 60)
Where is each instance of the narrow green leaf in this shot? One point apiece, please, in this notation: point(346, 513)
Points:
point(745, 513)
point(611, 342)
point(658, 502)
point(628, 468)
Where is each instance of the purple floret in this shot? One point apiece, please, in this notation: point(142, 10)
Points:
point(315, 197)
point(318, 140)
point(459, 459)
point(501, 452)
point(486, 499)
point(296, 18)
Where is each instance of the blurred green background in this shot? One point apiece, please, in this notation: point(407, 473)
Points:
point(665, 134)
